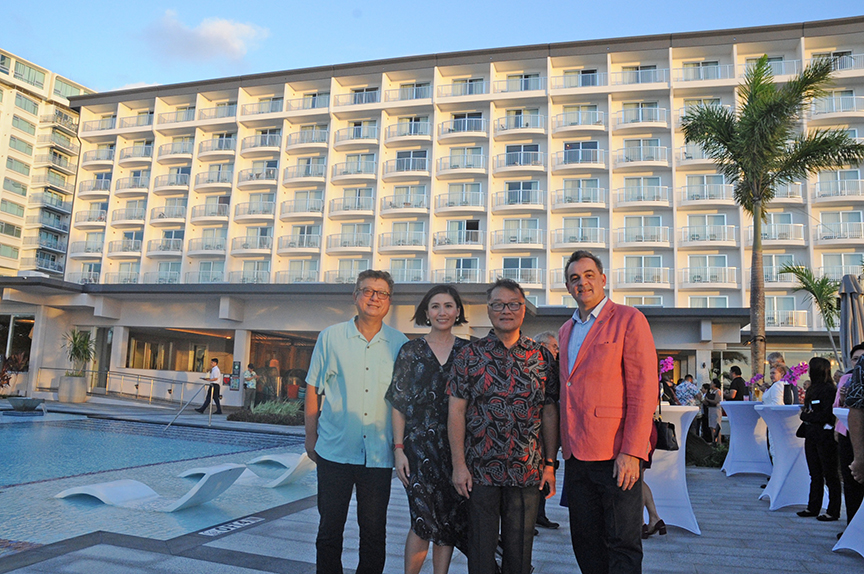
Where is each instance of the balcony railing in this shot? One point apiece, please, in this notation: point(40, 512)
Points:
point(138, 151)
point(349, 240)
point(410, 201)
point(579, 80)
point(258, 174)
point(65, 121)
point(98, 155)
point(471, 237)
point(461, 125)
point(341, 204)
point(300, 241)
point(644, 234)
point(836, 272)
point(848, 230)
point(640, 193)
point(459, 276)
point(60, 142)
point(83, 277)
point(642, 153)
point(94, 215)
point(522, 275)
point(50, 222)
point(261, 140)
point(574, 235)
point(463, 89)
point(217, 144)
point(779, 232)
point(402, 239)
point(268, 107)
point(94, 247)
point(354, 168)
point(302, 206)
point(412, 93)
point(707, 233)
point(587, 118)
point(306, 170)
point(210, 210)
point(691, 152)
point(848, 62)
point(788, 191)
point(405, 129)
point(207, 244)
point(533, 197)
point(461, 199)
point(773, 275)
point(307, 137)
point(357, 133)
point(840, 188)
point(48, 200)
point(162, 277)
point(137, 182)
point(176, 148)
point(42, 263)
point(99, 125)
point(342, 276)
point(168, 212)
point(249, 277)
point(579, 156)
point(642, 115)
point(707, 192)
point(255, 208)
point(124, 246)
point(657, 275)
point(251, 242)
point(408, 275)
point(785, 319)
point(311, 102)
point(56, 160)
point(563, 197)
point(467, 161)
point(94, 185)
point(520, 122)
point(45, 243)
point(218, 112)
point(520, 158)
point(172, 180)
point(178, 116)
point(652, 76)
point(297, 276)
point(205, 277)
point(781, 68)
point(701, 73)
point(136, 121)
point(214, 177)
point(520, 84)
point(164, 245)
point(128, 214)
point(519, 236)
point(358, 98)
point(406, 164)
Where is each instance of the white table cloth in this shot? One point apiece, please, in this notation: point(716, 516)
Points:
point(790, 481)
point(853, 536)
point(667, 476)
point(748, 440)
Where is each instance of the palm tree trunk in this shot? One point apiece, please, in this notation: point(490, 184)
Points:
point(757, 296)
point(834, 347)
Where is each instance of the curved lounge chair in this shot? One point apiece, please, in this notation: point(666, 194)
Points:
point(297, 466)
point(137, 495)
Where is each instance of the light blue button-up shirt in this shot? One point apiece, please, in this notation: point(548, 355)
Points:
point(580, 331)
point(355, 426)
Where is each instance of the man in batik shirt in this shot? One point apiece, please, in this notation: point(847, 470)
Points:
point(503, 392)
point(855, 402)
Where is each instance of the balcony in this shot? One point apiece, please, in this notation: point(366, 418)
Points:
point(519, 201)
point(201, 277)
point(574, 122)
point(177, 117)
point(707, 236)
point(646, 236)
point(408, 94)
point(460, 89)
point(61, 120)
point(56, 161)
point(349, 242)
point(459, 276)
point(94, 188)
point(781, 68)
point(692, 155)
point(139, 155)
point(51, 202)
point(680, 113)
point(634, 277)
point(526, 277)
point(251, 277)
point(52, 181)
point(127, 186)
point(129, 216)
point(518, 239)
point(642, 118)
point(42, 264)
point(307, 139)
point(708, 277)
point(837, 107)
point(165, 247)
point(640, 196)
point(412, 204)
point(162, 277)
point(137, 121)
point(789, 193)
point(214, 181)
point(467, 129)
point(849, 62)
point(840, 190)
point(461, 202)
point(257, 177)
point(461, 165)
point(458, 240)
point(217, 148)
point(124, 248)
point(779, 234)
point(405, 132)
point(840, 233)
point(301, 208)
point(206, 246)
point(401, 241)
point(45, 243)
point(520, 126)
point(352, 207)
point(99, 125)
point(773, 278)
point(171, 183)
point(704, 73)
point(260, 145)
point(251, 245)
point(408, 275)
point(61, 143)
point(178, 152)
point(357, 98)
point(297, 276)
point(48, 222)
point(210, 213)
point(355, 171)
point(309, 102)
point(707, 194)
point(515, 85)
point(573, 160)
point(168, 215)
point(570, 81)
point(87, 277)
point(642, 156)
point(94, 218)
point(348, 276)
point(572, 238)
point(520, 162)
point(81, 249)
point(218, 113)
point(578, 199)
point(255, 211)
point(356, 137)
point(786, 319)
point(837, 272)
point(630, 77)
point(97, 159)
point(304, 174)
point(266, 107)
point(306, 243)
point(406, 168)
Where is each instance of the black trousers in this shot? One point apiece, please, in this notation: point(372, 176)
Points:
point(515, 510)
point(336, 481)
point(212, 390)
point(605, 521)
point(821, 452)
point(707, 434)
point(853, 491)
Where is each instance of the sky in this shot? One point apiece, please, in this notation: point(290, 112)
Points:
point(109, 45)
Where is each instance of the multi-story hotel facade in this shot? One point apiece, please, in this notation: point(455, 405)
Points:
point(460, 168)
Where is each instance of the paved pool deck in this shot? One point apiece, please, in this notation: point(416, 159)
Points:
point(739, 533)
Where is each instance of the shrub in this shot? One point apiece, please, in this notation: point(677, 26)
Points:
point(714, 459)
point(289, 413)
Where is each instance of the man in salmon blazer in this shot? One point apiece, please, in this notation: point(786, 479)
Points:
point(609, 391)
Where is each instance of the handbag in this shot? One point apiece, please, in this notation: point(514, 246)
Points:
point(666, 437)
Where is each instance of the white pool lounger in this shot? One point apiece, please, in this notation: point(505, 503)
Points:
point(137, 495)
point(297, 466)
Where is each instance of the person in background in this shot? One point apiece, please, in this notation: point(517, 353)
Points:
point(819, 446)
point(715, 413)
point(738, 387)
point(773, 394)
point(250, 377)
point(705, 427)
point(549, 340)
point(686, 392)
point(853, 491)
point(668, 390)
point(214, 378)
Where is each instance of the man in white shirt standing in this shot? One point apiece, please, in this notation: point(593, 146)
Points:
point(214, 377)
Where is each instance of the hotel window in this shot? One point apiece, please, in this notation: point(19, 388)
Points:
point(20, 145)
point(300, 269)
point(780, 311)
point(8, 251)
point(646, 301)
point(642, 149)
point(461, 270)
point(709, 302)
point(710, 227)
point(708, 268)
point(638, 112)
point(413, 125)
point(774, 62)
point(523, 82)
point(642, 188)
point(414, 91)
point(469, 86)
point(12, 208)
point(23, 125)
point(29, 75)
point(643, 269)
point(252, 269)
point(5, 62)
point(410, 194)
point(363, 129)
point(522, 192)
point(642, 228)
point(836, 101)
point(463, 231)
point(772, 263)
point(26, 104)
point(408, 232)
point(836, 265)
point(839, 183)
point(65, 89)
point(316, 100)
point(17, 166)
point(467, 122)
point(581, 190)
point(9, 229)
point(841, 59)
point(414, 160)
point(356, 234)
point(581, 229)
point(708, 186)
point(581, 78)
point(522, 154)
point(583, 114)
point(582, 152)
point(641, 74)
point(406, 269)
point(707, 70)
point(841, 224)
point(349, 268)
point(365, 95)
point(522, 231)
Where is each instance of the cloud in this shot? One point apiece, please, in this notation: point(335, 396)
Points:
point(212, 39)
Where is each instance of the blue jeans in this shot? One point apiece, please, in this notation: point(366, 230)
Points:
point(336, 481)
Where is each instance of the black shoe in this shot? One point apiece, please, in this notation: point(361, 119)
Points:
point(199, 411)
point(544, 522)
point(827, 518)
point(762, 485)
point(536, 532)
point(218, 413)
point(808, 514)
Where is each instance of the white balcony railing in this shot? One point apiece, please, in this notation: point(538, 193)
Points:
point(357, 133)
point(707, 192)
point(402, 239)
point(781, 68)
point(564, 197)
point(255, 208)
point(525, 84)
point(779, 232)
point(782, 319)
point(710, 275)
point(84, 277)
point(257, 174)
point(579, 156)
point(408, 275)
point(300, 241)
point(252, 277)
point(349, 240)
point(307, 137)
point(840, 188)
point(261, 141)
point(128, 214)
point(187, 115)
point(706, 233)
point(471, 237)
point(214, 178)
point(168, 212)
point(297, 276)
point(309, 102)
point(703, 73)
point(173, 245)
point(520, 159)
point(305, 170)
point(137, 152)
point(467, 161)
point(355, 168)
point(412, 93)
point(411, 201)
point(837, 272)
point(122, 278)
point(461, 199)
point(406, 129)
point(205, 277)
point(520, 122)
point(162, 277)
point(644, 234)
point(641, 115)
point(463, 125)
point(640, 77)
point(251, 242)
point(580, 80)
point(521, 275)
point(171, 180)
point(459, 276)
point(341, 204)
point(125, 246)
point(522, 197)
point(575, 235)
point(217, 144)
point(463, 89)
point(91, 216)
point(228, 111)
point(642, 153)
point(634, 275)
point(98, 155)
point(587, 118)
point(210, 210)
point(266, 107)
point(403, 164)
point(94, 247)
point(308, 205)
point(840, 231)
point(640, 193)
point(519, 236)
point(176, 148)
point(207, 244)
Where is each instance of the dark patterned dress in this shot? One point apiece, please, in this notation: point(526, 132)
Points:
point(438, 513)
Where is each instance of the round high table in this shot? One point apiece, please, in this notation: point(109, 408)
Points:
point(667, 476)
point(790, 481)
point(748, 440)
point(853, 536)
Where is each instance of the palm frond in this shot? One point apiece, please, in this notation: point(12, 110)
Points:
point(817, 151)
point(821, 291)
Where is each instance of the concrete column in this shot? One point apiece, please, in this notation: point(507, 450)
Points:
point(703, 375)
point(242, 349)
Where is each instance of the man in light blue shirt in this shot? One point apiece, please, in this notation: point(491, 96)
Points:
point(348, 425)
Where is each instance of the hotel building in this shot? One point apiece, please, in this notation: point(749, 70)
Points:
point(241, 207)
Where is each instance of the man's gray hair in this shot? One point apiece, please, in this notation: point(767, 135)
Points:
point(546, 336)
point(374, 274)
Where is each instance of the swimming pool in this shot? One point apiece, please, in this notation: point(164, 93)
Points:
point(40, 450)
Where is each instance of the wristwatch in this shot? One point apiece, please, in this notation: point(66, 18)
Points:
point(551, 462)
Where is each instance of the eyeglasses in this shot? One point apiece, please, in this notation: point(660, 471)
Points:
point(513, 306)
point(368, 292)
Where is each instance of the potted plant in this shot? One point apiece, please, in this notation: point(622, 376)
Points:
point(80, 350)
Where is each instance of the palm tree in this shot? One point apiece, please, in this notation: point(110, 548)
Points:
point(758, 149)
point(821, 291)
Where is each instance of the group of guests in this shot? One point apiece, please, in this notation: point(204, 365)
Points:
point(473, 428)
point(686, 393)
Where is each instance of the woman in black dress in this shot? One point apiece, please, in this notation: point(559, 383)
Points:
point(422, 453)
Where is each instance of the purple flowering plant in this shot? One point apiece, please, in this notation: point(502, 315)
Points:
point(793, 374)
point(666, 365)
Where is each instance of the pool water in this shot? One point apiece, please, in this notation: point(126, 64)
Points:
point(39, 450)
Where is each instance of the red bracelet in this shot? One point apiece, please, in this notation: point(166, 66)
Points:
point(398, 445)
